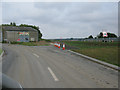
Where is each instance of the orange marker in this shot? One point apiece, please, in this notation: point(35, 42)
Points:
point(63, 46)
point(58, 45)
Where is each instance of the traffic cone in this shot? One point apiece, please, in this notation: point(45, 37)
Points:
point(54, 44)
point(63, 46)
point(58, 45)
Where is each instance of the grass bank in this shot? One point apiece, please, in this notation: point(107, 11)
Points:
point(40, 43)
point(104, 51)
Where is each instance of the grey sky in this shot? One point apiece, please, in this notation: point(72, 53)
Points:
point(64, 20)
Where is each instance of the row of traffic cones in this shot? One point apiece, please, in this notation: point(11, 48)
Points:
point(58, 45)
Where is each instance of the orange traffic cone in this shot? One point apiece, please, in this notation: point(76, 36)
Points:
point(55, 44)
point(63, 46)
point(58, 45)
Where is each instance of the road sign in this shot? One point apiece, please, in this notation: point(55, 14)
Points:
point(105, 34)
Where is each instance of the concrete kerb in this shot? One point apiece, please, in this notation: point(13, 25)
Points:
point(2, 53)
point(1, 56)
point(97, 61)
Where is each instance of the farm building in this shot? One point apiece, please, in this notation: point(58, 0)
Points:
point(19, 34)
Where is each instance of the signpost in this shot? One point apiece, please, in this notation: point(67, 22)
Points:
point(104, 36)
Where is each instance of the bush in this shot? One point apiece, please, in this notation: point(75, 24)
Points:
point(4, 42)
point(48, 40)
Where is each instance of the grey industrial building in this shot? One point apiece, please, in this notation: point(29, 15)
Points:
point(19, 34)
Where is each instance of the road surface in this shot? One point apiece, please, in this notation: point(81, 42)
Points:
point(50, 67)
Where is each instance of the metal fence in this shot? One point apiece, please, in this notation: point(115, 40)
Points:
point(102, 39)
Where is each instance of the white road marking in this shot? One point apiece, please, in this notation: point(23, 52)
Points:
point(36, 55)
point(54, 76)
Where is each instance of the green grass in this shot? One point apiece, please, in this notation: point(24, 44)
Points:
point(104, 51)
point(24, 43)
point(0, 51)
point(41, 43)
point(82, 44)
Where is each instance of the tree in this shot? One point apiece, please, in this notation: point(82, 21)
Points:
point(110, 35)
point(95, 37)
point(71, 38)
point(100, 35)
point(90, 36)
point(12, 24)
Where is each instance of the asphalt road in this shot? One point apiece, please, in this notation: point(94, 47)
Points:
point(50, 67)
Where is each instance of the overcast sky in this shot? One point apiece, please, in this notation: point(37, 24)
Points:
point(64, 20)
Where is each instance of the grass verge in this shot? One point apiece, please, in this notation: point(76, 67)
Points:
point(104, 51)
point(0, 51)
point(40, 43)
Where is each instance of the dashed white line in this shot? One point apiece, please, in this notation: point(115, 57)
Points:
point(53, 75)
point(36, 55)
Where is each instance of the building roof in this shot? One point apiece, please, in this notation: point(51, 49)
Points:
point(18, 28)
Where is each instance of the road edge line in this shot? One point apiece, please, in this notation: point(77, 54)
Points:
point(97, 61)
point(36, 55)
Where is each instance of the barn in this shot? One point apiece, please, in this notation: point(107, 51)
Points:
point(19, 34)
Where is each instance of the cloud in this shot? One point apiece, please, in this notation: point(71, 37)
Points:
point(64, 19)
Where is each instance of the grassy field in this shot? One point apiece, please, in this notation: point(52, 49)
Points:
point(105, 51)
point(40, 43)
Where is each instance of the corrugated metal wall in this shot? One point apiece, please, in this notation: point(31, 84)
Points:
point(14, 35)
point(33, 35)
